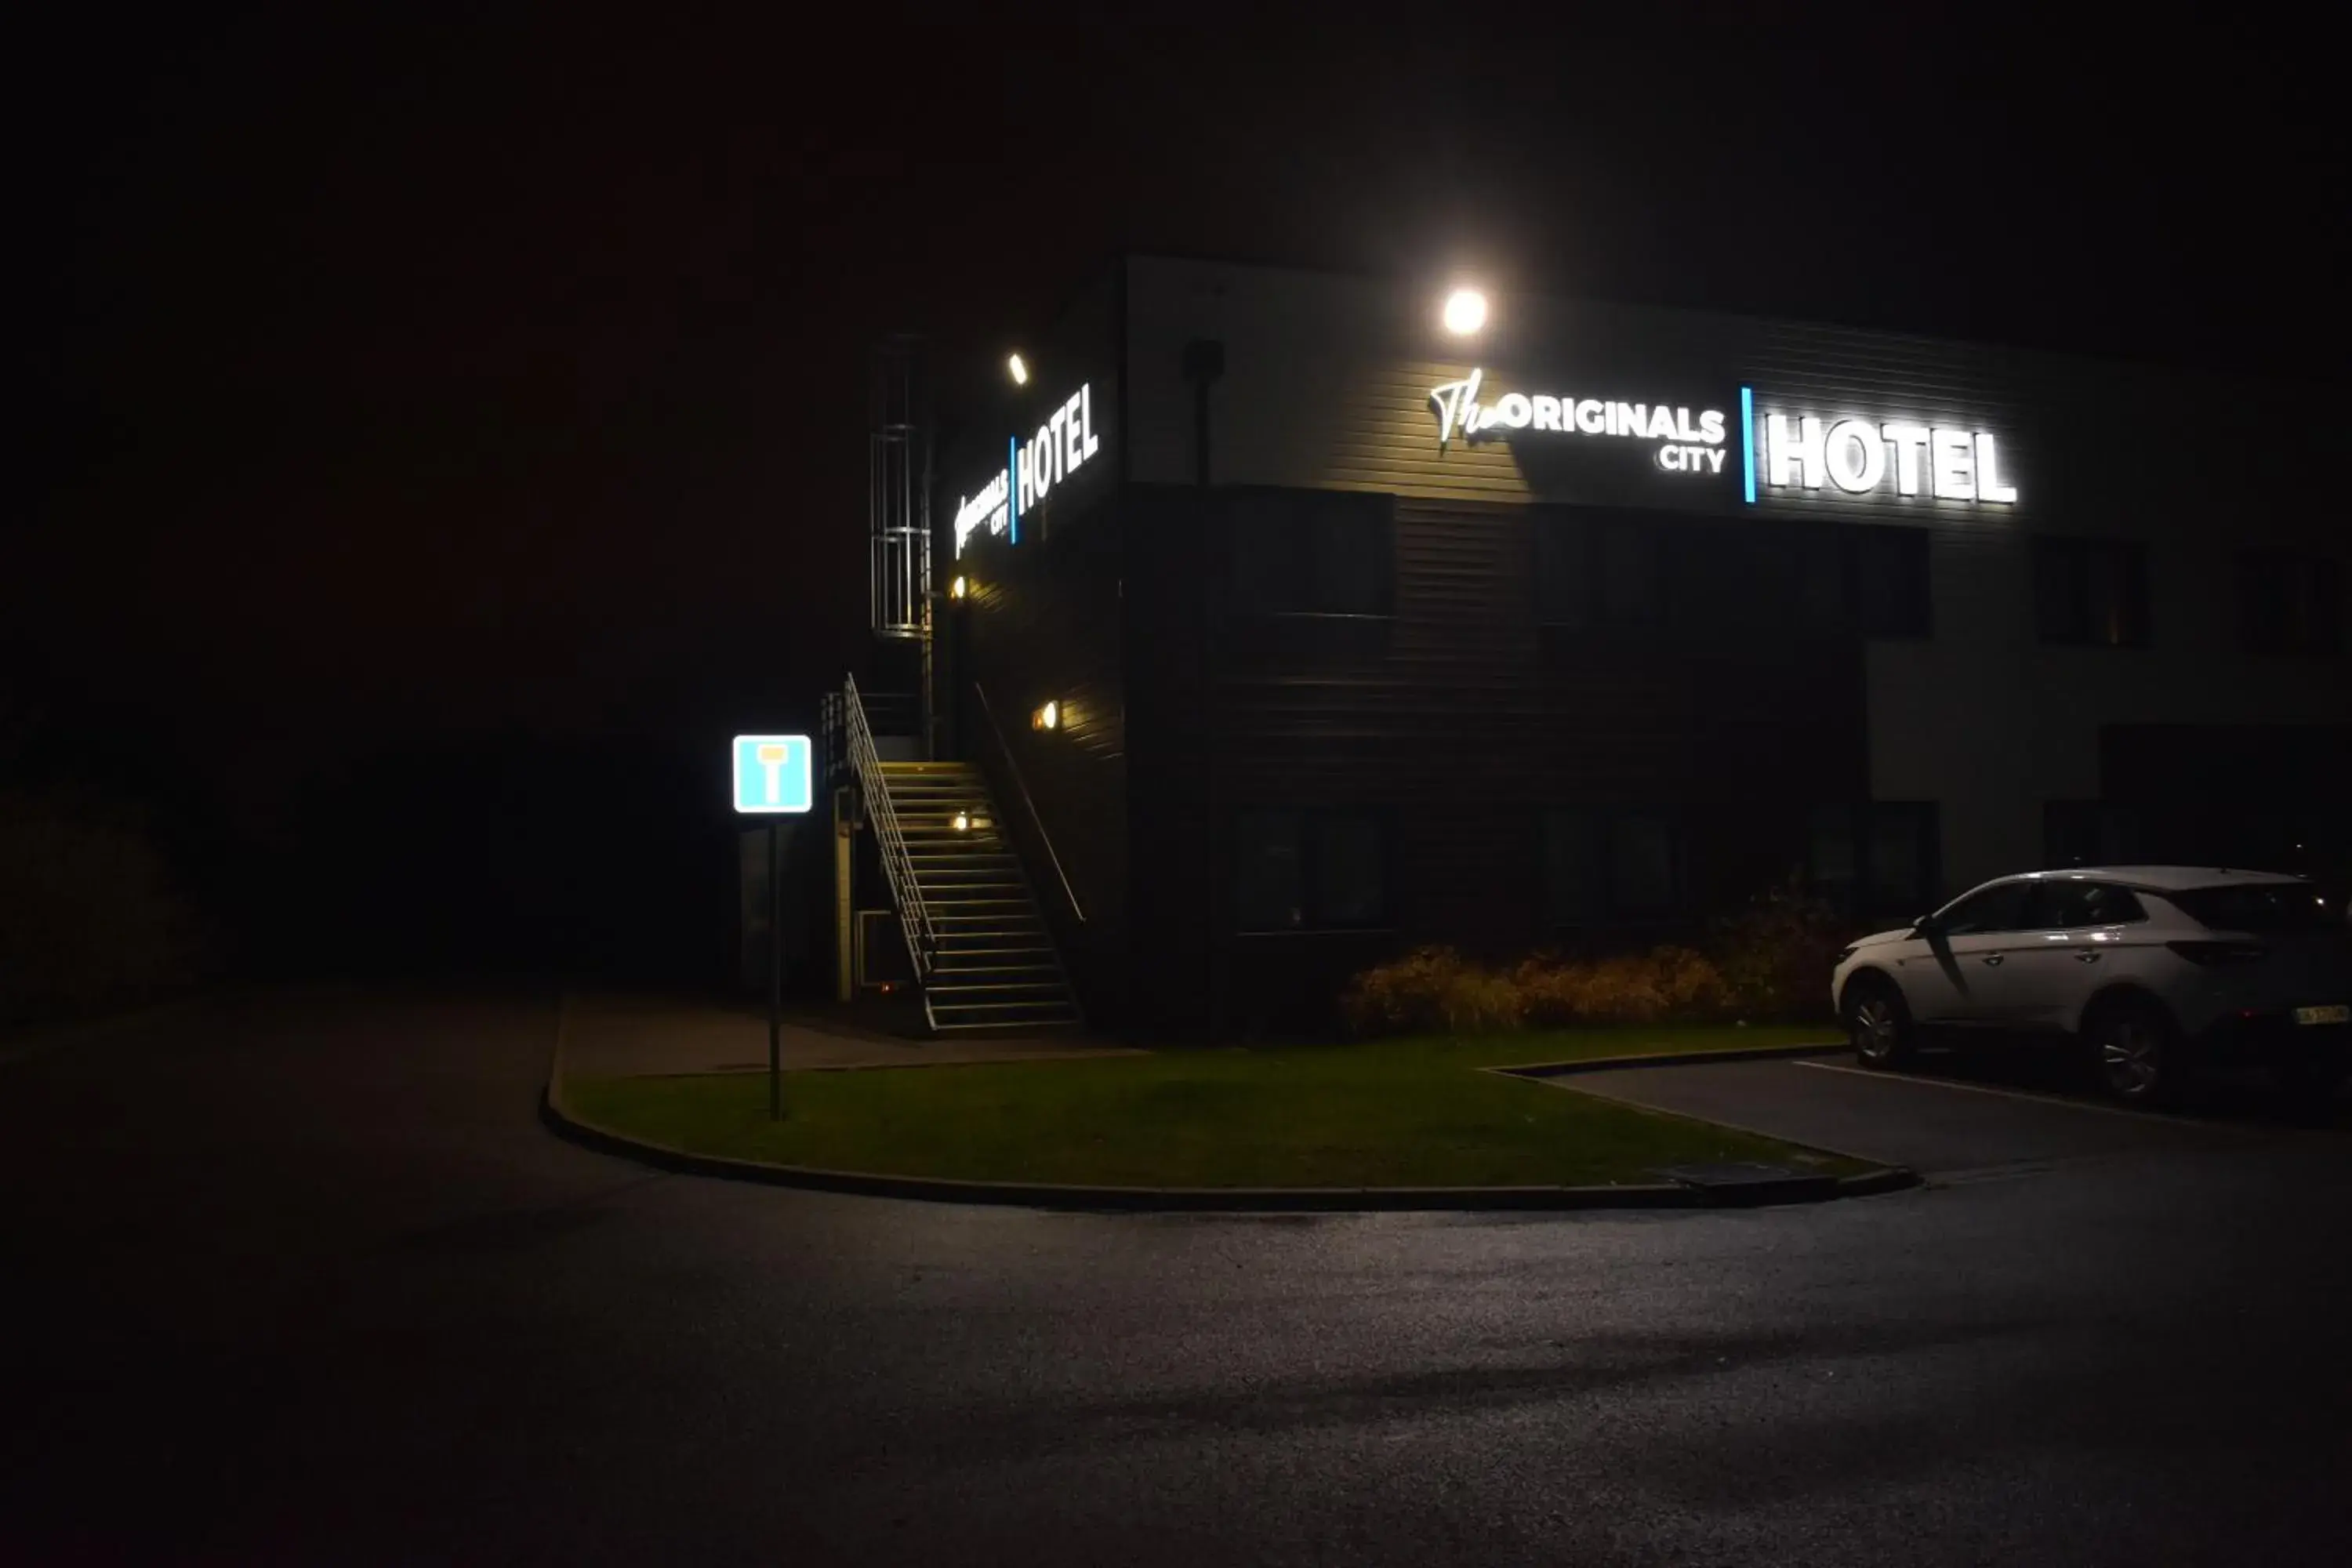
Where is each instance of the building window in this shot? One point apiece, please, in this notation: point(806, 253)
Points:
point(1600, 570)
point(2290, 603)
point(1823, 590)
point(1619, 573)
point(1328, 553)
point(1630, 575)
point(1875, 858)
point(2091, 592)
point(1309, 870)
point(1644, 864)
point(2089, 833)
point(1890, 583)
point(1564, 591)
point(1606, 863)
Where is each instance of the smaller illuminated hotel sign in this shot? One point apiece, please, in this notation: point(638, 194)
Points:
point(1797, 455)
point(1031, 468)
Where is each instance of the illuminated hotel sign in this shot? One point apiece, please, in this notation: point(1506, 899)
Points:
point(1791, 457)
point(1685, 446)
point(1859, 455)
point(986, 509)
point(1031, 468)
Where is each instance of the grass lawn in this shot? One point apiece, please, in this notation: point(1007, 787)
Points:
point(1393, 1113)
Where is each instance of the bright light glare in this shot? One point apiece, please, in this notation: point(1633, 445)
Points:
point(959, 588)
point(962, 822)
point(1049, 717)
point(1465, 312)
point(1019, 370)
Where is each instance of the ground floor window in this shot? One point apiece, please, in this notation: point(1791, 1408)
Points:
point(1302, 869)
point(1875, 857)
point(1301, 552)
point(2290, 602)
point(2091, 592)
point(1612, 864)
point(2089, 833)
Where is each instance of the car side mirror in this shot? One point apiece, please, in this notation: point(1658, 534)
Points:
point(1924, 926)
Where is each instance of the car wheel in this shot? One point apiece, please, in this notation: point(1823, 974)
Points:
point(1877, 1023)
point(2135, 1053)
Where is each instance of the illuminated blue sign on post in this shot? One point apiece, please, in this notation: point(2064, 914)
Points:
point(773, 773)
point(772, 776)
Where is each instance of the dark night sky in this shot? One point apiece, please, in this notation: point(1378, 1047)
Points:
point(404, 385)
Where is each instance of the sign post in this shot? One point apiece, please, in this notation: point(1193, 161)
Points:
point(772, 777)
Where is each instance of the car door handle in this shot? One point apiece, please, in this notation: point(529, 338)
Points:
point(1994, 958)
point(2086, 958)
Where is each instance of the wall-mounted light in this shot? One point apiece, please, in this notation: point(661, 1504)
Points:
point(1464, 313)
point(1018, 368)
point(962, 822)
point(1049, 717)
point(959, 589)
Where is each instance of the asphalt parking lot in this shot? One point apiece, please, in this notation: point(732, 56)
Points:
point(1957, 1114)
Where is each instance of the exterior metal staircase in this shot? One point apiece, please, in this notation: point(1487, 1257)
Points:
point(993, 964)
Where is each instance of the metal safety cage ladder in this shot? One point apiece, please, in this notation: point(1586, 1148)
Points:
point(898, 523)
point(897, 866)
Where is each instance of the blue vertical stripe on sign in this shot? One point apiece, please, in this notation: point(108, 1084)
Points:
point(1012, 486)
point(1748, 441)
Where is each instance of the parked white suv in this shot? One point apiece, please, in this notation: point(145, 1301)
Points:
point(2147, 965)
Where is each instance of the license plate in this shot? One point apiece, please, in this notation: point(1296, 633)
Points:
point(2339, 1014)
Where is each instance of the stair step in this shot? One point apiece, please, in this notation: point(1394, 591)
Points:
point(1028, 974)
point(995, 967)
point(1012, 1011)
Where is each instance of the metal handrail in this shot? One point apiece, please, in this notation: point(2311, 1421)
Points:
point(897, 866)
point(1013, 770)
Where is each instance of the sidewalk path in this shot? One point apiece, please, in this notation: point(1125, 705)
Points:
point(607, 1034)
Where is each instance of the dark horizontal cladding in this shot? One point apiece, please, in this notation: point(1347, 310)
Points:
point(1462, 689)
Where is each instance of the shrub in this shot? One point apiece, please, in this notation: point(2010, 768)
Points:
point(1665, 983)
point(88, 915)
point(1435, 990)
point(1430, 990)
point(1771, 961)
point(1776, 954)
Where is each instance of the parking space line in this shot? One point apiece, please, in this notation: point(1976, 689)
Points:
point(2018, 1094)
point(1703, 1119)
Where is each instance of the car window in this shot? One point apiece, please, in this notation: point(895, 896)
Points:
point(1995, 909)
point(2106, 905)
point(2064, 903)
point(2259, 907)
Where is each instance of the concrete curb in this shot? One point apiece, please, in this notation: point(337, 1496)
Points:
point(27, 1044)
point(1054, 1195)
point(1667, 1059)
